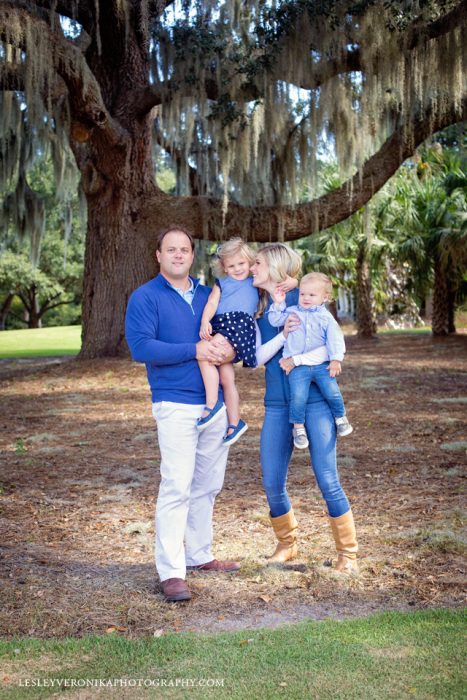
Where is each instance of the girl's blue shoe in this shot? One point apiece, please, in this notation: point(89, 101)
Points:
point(213, 414)
point(237, 433)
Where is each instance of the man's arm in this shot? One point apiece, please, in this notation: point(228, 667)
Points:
point(141, 331)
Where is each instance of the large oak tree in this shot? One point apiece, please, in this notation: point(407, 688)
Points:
point(239, 95)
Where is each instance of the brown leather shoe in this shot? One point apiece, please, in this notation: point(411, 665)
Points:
point(225, 567)
point(175, 589)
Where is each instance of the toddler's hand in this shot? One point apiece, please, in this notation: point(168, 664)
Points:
point(278, 295)
point(205, 332)
point(287, 364)
point(288, 284)
point(335, 368)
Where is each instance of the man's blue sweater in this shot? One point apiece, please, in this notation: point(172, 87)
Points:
point(162, 330)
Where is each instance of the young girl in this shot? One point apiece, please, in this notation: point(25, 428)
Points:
point(229, 311)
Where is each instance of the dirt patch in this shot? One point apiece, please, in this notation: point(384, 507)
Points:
point(79, 477)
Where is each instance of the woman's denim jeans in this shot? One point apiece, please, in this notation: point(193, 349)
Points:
point(300, 379)
point(276, 450)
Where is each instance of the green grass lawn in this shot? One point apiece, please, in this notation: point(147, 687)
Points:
point(404, 331)
point(66, 340)
point(40, 342)
point(391, 655)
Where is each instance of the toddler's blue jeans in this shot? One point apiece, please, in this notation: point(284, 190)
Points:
point(300, 379)
point(276, 449)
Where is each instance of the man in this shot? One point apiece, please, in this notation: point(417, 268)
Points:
point(162, 330)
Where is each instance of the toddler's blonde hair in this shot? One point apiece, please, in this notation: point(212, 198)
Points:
point(321, 278)
point(234, 246)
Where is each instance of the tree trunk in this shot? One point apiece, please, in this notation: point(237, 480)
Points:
point(117, 178)
point(34, 314)
point(5, 310)
point(118, 260)
point(442, 316)
point(366, 323)
point(451, 310)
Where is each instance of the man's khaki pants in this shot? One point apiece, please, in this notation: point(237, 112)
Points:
point(192, 473)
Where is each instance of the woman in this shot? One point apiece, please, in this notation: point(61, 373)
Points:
point(272, 264)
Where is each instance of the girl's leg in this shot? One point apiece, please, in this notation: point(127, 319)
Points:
point(231, 397)
point(210, 375)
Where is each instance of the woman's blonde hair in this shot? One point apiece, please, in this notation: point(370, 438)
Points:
point(234, 246)
point(322, 279)
point(281, 261)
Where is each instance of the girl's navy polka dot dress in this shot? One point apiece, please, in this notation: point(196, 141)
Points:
point(240, 330)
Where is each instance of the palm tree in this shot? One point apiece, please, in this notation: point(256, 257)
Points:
point(350, 253)
point(429, 209)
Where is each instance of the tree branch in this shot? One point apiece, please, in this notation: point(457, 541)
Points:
point(319, 73)
point(262, 224)
point(12, 76)
point(350, 61)
point(451, 20)
point(46, 306)
point(85, 97)
point(178, 158)
point(81, 11)
point(160, 93)
point(157, 7)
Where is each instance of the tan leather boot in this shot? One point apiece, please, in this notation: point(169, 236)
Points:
point(343, 530)
point(285, 529)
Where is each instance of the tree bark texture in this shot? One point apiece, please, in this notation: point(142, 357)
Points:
point(5, 310)
point(366, 323)
point(442, 322)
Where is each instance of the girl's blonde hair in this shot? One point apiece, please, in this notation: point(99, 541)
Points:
point(322, 279)
point(234, 246)
point(281, 261)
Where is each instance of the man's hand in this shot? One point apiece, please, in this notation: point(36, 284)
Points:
point(205, 332)
point(287, 364)
point(288, 284)
point(215, 351)
point(335, 368)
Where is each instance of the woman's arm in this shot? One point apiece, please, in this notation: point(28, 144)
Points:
point(266, 351)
